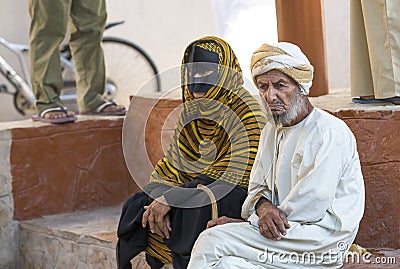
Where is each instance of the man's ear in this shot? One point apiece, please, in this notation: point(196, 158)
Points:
point(302, 91)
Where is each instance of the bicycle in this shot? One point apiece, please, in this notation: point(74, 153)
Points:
point(128, 67)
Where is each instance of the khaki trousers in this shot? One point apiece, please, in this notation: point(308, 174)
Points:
point(49, 20)
point(375, 48)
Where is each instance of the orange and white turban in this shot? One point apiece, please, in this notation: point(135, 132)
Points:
point(285, 57)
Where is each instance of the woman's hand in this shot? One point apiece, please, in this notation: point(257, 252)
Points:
point(156, 215)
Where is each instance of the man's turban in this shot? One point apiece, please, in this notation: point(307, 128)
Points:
point(285, 57)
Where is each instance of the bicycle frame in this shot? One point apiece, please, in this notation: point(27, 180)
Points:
point(21, 83)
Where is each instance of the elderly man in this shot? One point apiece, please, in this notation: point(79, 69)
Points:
point(306, 192)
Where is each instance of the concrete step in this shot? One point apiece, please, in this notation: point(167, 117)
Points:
point(87, 240)
point(82, 239)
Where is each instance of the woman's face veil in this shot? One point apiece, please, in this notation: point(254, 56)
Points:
point(202, 69)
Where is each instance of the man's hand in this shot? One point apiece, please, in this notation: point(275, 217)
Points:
point(271, 220)
point(156, 215)
point(222, 220)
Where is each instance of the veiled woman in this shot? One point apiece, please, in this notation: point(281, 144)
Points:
point(214, 145)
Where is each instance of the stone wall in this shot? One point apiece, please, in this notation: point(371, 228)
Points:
point(51, 169)
point(8, 227)
point(64, 168)
point(378, 142)
point(79, 240)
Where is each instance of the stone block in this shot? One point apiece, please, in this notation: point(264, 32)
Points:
point(160, 128)
point(8, 233)
point(82, 240)
point(380, 224)
point(5, 176)
point(148, 128)
point(366, 132)
point(8, 227)
point(389, 141)
point(70, 240)
point(39, 250)
point(64, 168)
point(96, 257)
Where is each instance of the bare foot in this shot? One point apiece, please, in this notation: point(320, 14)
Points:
point(58, 114)
point(113, 108)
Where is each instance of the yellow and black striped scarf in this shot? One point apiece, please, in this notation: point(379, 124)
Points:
point(216, 135)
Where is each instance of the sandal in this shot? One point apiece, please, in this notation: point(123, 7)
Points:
point(368, 101)
point(41, 116)
point(100, 110)
point(393, 100)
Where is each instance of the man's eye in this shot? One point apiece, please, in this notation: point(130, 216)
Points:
point(263, 87)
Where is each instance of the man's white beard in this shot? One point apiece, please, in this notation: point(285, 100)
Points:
point(294, 110)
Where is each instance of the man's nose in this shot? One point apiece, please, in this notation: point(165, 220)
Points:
point(270, 94)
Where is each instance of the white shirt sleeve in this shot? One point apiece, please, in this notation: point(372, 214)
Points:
point(258, 186)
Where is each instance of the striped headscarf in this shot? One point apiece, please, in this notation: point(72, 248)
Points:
point(287, 58)
point(216, 135)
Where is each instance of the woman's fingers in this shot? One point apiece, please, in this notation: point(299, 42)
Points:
point(168, 222)
point(145, 217)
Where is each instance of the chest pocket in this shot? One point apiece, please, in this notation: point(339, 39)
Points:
point(295, 165)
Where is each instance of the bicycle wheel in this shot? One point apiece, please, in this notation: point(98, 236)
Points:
point(128, 67)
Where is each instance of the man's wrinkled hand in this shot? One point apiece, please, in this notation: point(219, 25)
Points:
point(271, 220)
point(156, 215)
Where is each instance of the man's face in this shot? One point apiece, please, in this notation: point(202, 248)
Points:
point(282, 96)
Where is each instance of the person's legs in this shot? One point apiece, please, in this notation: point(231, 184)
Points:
point(303, 246)
point(153, 262)
point(47, 30)
point(226, 240)
point(188, 222)
point(232, 262)
point(129, 227)
point(360, 69)
point(382, 22)
point(133, 238)
point(88, 20)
